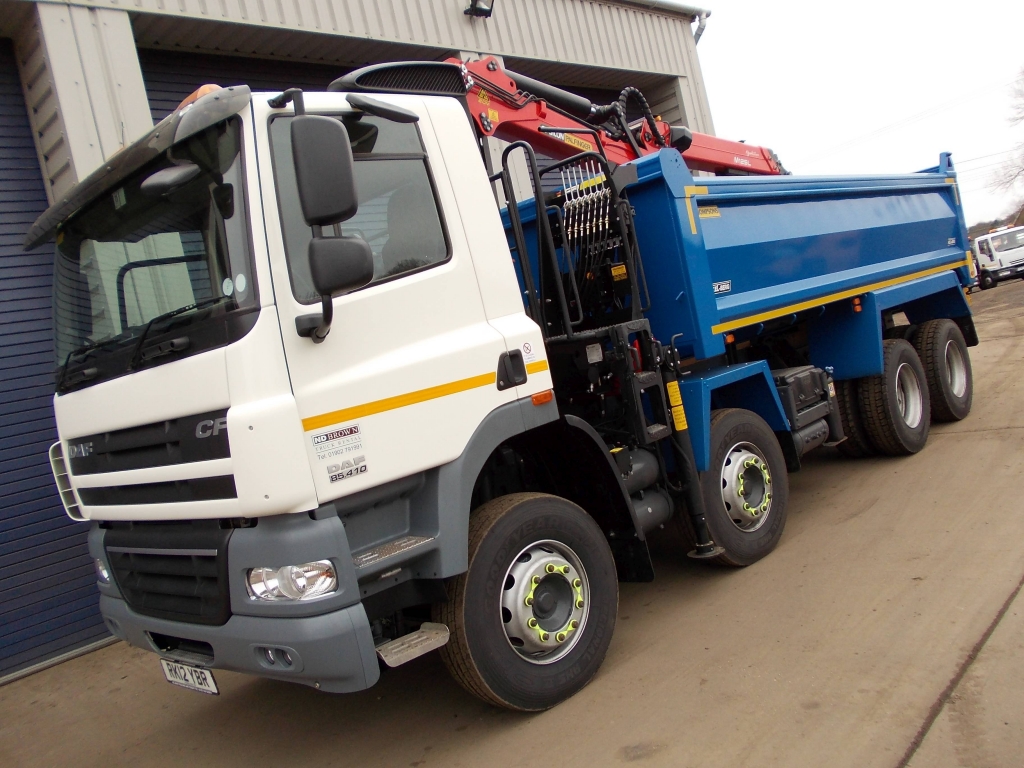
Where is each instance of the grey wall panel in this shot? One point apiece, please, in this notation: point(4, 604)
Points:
point(48, 598)
point(589, 32)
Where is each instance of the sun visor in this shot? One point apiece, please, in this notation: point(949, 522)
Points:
point(176, 127)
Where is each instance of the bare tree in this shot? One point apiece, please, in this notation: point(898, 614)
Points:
point(1011, 174)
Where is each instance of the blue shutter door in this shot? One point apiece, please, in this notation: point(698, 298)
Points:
point(48, 597)
point(170, 76)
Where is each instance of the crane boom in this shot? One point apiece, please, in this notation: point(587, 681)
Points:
point(557, 123)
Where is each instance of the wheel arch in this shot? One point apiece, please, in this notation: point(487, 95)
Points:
point(567, 458)
point(747, 386)
point(848, 337)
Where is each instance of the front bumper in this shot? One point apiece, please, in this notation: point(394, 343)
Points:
point(332, 652)
point(1008, 273)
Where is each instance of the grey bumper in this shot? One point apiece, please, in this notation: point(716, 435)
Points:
point(333, 651)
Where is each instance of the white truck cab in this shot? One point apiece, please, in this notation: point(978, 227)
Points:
point(1000, 255)
point(188, 397)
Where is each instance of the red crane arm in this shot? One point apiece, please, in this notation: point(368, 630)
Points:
point(504, 110)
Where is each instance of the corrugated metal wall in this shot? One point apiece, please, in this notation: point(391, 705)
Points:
point(588, 32)
point(48, 597)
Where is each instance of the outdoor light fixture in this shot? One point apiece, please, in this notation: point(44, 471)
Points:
point(480, 8)
point(293, 582)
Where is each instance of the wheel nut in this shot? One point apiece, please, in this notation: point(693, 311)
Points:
point(544, 636)
point(577, 583)
point(579, 602)
point(528, 601)
point(560, 637)
point(535, 580)
point(531, 623)
point(550, 568)
point(573, 624)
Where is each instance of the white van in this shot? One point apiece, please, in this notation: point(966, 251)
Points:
point(1000, 255)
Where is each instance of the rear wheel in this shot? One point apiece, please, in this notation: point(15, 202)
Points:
point(745, 488)
point(857, 443)
point(532, 617)
point(894, 405)
point(947, 368)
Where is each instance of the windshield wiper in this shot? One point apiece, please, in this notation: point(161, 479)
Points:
point(174, 345)
point(85, 351)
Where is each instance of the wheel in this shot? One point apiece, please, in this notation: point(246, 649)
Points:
point(857, 445)
point(532, 617)
point(745, 488)
point(947, 369)
point(894, 405)
point(986, 281)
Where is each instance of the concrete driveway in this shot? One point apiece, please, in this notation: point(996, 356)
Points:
point(842, 648)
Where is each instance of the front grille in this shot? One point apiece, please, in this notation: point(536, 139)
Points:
point(176, 571)
point(175, 491)
point(201, 437)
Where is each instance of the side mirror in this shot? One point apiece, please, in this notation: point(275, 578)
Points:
point(325, 177)
point(340, 264)
point(337, 265)
point(324, 174)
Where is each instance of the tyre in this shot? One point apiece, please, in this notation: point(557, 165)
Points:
point(857, 445)
point(986, 281)
point(894, 405)
point(532, 617)
point(745, 488)
point(901, 332)
point(947, 369)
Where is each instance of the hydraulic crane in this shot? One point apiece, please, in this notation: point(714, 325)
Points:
point(557, 123)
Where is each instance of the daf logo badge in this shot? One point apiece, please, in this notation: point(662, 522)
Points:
point(79, 451)
point(210, 427)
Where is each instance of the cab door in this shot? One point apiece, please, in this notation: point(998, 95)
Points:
point(408, 370)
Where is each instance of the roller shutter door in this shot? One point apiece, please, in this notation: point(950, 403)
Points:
point(48, 597)
point(170, 76)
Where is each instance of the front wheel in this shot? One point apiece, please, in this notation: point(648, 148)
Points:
point(532, 617)
point(986, 281)
point(745, 488)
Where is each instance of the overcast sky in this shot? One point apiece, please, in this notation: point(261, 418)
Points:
point(865, 87)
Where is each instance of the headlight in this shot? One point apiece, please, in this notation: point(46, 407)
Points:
point(293, 582)
point(102, 574)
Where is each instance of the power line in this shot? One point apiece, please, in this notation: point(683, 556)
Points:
point(904, 122)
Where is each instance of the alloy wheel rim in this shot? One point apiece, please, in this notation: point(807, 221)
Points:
point(956, 369)
point(909, 399)
point(545, 601)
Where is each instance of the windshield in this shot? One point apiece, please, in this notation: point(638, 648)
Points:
point(163, 258)
point(1008, 241)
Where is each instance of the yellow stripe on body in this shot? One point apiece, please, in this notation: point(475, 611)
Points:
point(409, 398)
point(848, 294)
point(398, 401)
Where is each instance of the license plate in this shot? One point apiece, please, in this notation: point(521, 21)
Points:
point(193, 678)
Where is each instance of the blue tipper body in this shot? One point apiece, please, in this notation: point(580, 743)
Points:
point(746, 255)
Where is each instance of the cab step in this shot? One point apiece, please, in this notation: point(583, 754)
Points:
point(427, 638)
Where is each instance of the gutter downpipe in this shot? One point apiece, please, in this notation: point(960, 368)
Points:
point(702, 22)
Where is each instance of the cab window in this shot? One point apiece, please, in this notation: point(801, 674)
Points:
point(398, 213)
